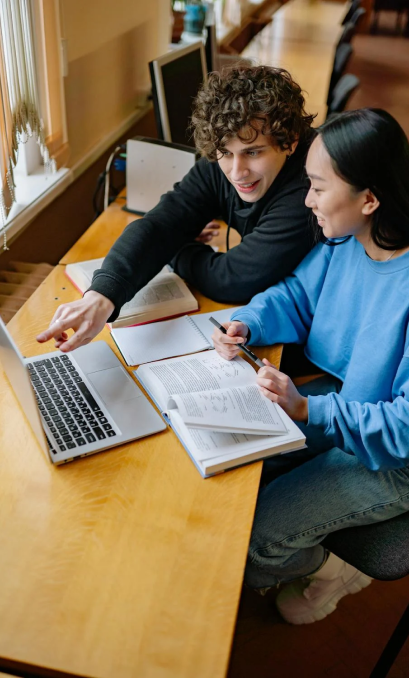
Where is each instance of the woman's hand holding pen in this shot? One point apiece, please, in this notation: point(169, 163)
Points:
point(279, 388)
point(226, 344)
point(275, 385)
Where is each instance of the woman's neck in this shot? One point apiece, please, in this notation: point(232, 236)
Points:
point(377, 253)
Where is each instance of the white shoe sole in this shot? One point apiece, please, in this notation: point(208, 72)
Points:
point(358, 582)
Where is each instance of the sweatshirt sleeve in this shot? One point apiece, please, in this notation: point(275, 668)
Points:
point(285, 311)
point(148, 244)
point(376, 433)
point(272, 250)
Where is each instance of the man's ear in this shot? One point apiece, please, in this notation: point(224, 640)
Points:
point(371, 203)
point(294, 146)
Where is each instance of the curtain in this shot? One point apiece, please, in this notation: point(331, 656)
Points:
point(48, 25)
point(20, 63)
point(8, 147)
point(20, 113)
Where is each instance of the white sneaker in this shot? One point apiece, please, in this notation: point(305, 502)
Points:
point(304, 602)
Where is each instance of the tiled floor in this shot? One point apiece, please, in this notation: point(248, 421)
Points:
point(347, 643)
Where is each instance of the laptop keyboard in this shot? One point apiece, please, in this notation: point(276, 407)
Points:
point(67, 405)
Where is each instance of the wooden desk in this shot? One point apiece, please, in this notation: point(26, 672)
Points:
point(302, 38)
point(309, 64)
point(101, 235)
point(282, 28)
point(105, 230)
point(125, 564)
point(249, 10)
point(324, 12)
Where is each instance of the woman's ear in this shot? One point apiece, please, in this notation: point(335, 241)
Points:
point(371, 203)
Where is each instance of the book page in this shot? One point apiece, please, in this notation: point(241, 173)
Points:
point(205, 445)
point(203, 323)
point(156, 341)
point(168, 338)
point(199, 372)
point(81, 273)
point(238, 409)
point(165, 289)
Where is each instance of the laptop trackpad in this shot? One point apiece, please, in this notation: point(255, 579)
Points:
point(114, 385)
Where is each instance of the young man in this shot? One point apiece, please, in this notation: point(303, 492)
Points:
point(253, 132)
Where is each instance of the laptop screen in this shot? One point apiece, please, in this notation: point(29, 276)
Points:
point(17, 374)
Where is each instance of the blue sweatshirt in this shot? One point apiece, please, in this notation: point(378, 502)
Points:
point(352, 314)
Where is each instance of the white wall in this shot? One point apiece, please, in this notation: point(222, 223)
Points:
point(109, 45)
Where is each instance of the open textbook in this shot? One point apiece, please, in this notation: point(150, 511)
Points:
point(164, 296)
point(217, 411)
point(169, 338)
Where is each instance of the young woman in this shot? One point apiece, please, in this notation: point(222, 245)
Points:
point(348, 303)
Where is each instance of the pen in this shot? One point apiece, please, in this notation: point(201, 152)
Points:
point(245, 350)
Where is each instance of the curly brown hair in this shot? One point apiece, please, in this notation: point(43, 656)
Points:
point(240, 99)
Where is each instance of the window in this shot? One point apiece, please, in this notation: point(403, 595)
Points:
point(33, 140)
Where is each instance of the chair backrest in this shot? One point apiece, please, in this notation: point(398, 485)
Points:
point(341, 92)
point(347, 33)
point(357, 15)
point(380, 550)
point(343, 54)
point(353, 6)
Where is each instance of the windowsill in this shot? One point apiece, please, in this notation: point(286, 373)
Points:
point(33, 193)
point(37, 190)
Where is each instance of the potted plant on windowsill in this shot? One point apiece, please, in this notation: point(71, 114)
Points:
point(178, 15)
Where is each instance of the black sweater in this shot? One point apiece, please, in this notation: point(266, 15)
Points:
point(274, 230)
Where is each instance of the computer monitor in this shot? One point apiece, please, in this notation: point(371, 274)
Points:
point(212, 57)
point(176, 78)
point(211, 50)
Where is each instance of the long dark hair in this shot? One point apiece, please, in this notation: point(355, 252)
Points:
point(369, 150)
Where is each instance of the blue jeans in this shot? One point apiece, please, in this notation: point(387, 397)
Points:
point(307, 494)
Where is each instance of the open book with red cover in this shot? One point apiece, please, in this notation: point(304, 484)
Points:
point(165, 296)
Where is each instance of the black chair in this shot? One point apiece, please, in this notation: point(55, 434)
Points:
point(347, 34)
point(343, 54)
point(398, 6)
point(353, 7)
point(357, 15)
point(381, 551)
point(342, 92)
point(351, 26)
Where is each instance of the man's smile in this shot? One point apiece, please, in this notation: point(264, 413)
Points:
point(246, 187)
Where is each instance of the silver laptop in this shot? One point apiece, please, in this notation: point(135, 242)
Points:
point(78, 403)
point(152, 168)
